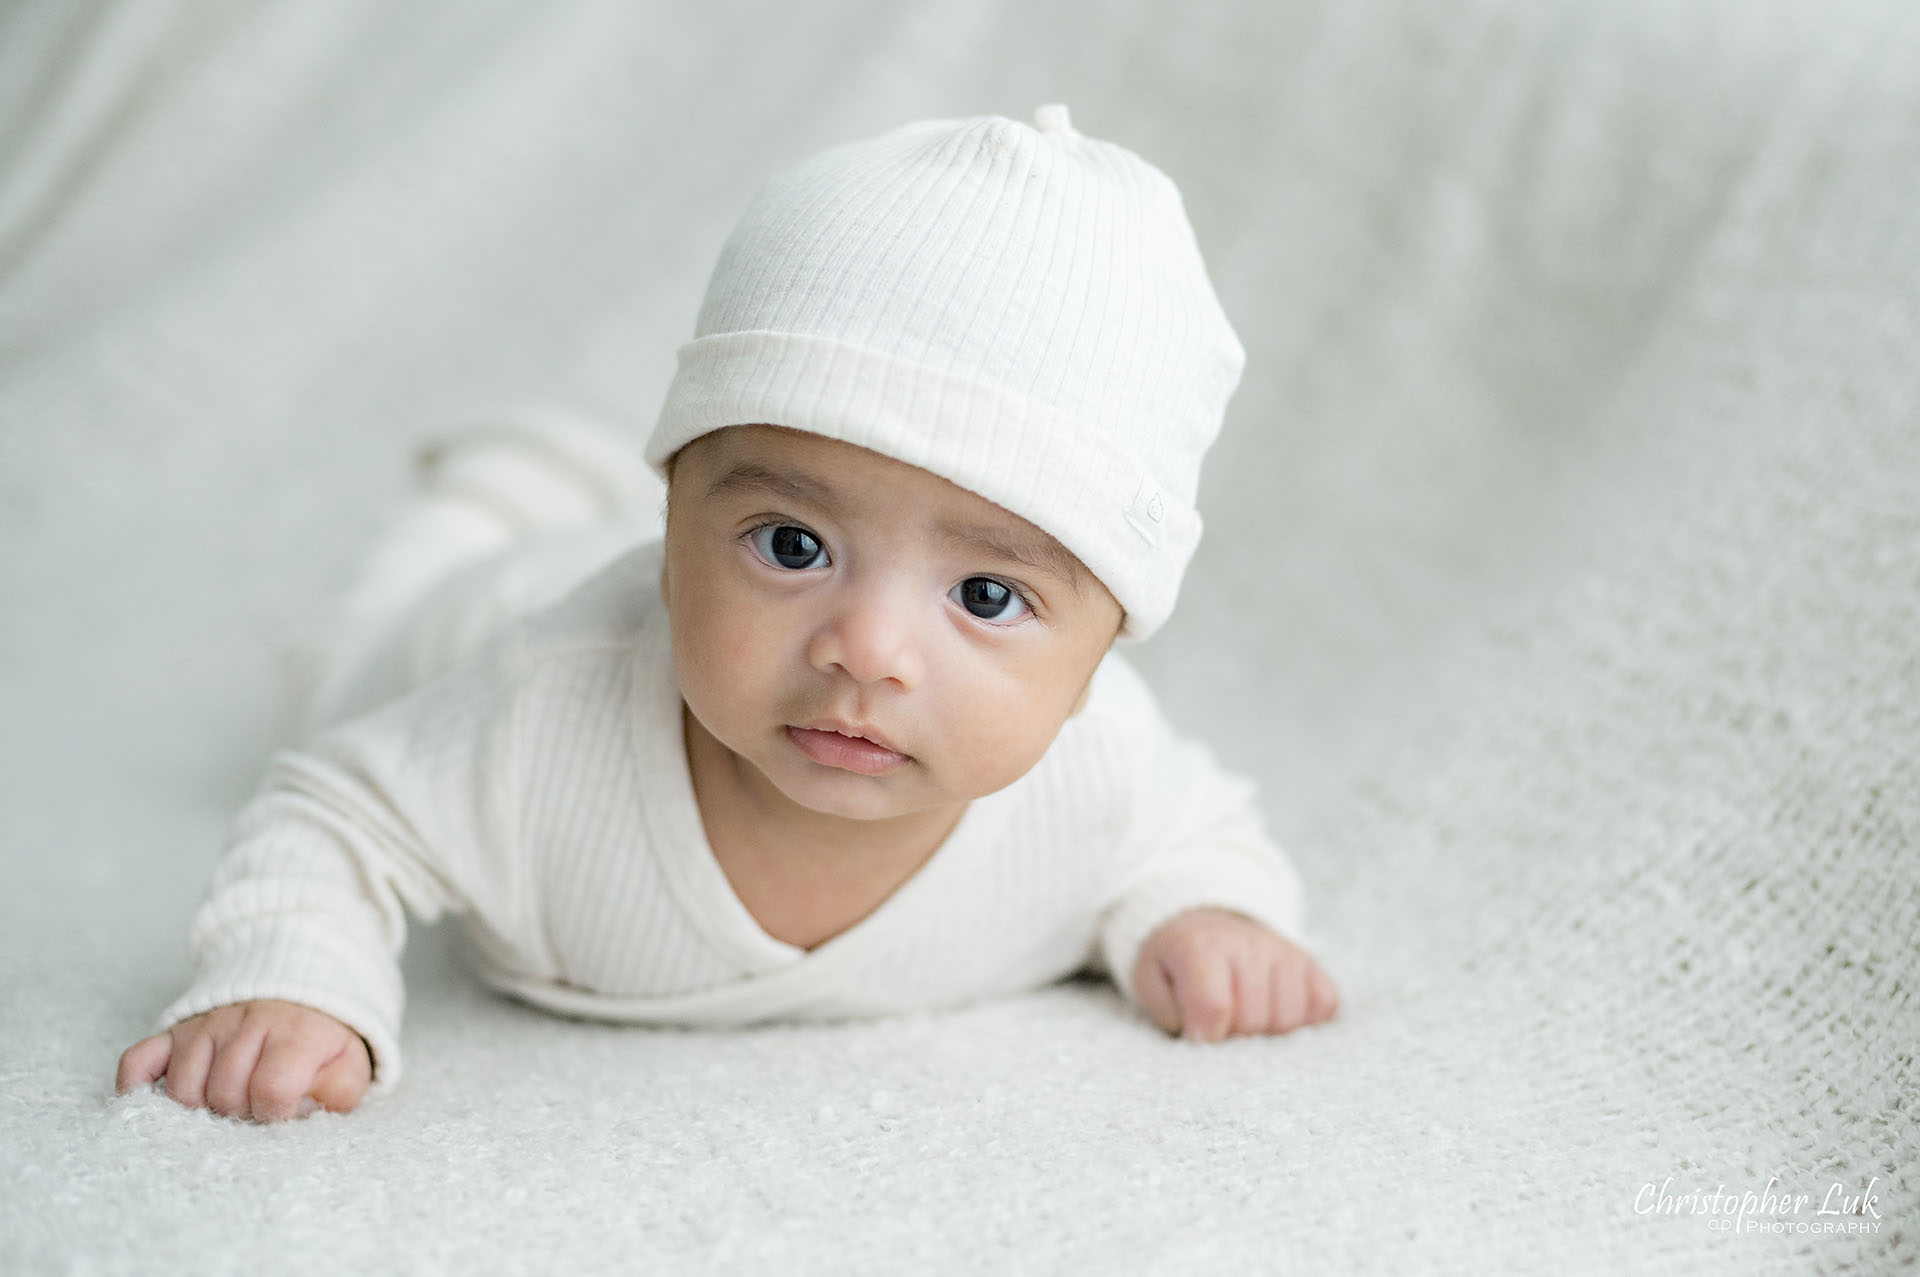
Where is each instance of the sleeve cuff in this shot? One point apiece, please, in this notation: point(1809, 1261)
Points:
point(265, 962)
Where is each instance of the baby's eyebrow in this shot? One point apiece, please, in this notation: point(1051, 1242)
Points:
point(1036, 550)
point(750, 476)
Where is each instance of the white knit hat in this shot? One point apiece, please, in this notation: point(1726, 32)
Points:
point(1021, 310)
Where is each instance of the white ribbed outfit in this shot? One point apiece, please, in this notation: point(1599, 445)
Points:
point(541, 792)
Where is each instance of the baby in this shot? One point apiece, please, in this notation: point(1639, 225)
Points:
point(849, 740)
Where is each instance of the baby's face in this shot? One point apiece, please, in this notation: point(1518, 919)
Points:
point(869, 638)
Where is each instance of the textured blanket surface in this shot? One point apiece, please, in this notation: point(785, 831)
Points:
point(1560, 588)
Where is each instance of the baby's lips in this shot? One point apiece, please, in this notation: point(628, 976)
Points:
point(856, 731)
point(858, 754)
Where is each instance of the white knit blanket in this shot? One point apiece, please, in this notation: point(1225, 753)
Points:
point(1560, 586)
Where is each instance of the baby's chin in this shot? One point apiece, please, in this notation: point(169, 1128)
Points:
point(847, 796)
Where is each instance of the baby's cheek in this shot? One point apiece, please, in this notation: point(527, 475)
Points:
point(995, 722)
point(1000, 753)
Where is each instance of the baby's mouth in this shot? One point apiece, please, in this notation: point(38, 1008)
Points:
point(847, 751)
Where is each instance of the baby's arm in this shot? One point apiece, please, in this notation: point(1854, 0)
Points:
point(1203, 926)
point(1211, 973)
point(297, 989)
point(262, 1060)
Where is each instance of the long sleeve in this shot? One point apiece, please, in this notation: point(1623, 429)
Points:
point(410, 810)
point(1194, 836)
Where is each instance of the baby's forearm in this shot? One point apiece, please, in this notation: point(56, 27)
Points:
point(309, 906)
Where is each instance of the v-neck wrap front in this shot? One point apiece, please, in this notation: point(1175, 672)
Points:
point(541, 793)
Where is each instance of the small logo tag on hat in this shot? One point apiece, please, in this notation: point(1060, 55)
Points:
point(1148, 513)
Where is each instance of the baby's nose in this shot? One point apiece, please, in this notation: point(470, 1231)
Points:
point(872, 637)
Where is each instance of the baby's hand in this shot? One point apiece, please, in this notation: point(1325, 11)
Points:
point(254, 1059)
point(1209, 973)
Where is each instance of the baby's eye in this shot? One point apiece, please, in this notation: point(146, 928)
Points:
point(782, 545)
point(990, 600)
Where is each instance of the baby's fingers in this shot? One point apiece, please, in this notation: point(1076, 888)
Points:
point(187, 1069)
point(1323, 999)
point(1287, 999)
point(1154, 988)
point(229, 1081)
point(284, 1076)
point(144, 1061)
point(1207, 1003)
point(344, 1080)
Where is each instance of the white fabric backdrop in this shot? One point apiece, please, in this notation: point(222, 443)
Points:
point(1560, 588)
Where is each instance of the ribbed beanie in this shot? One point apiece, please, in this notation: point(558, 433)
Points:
point(1021, 310)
